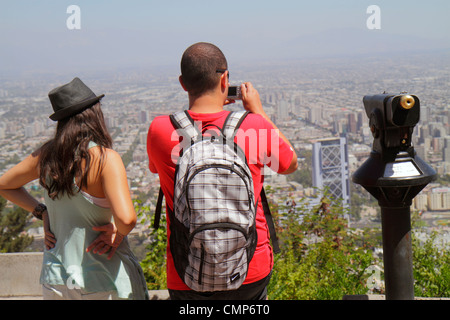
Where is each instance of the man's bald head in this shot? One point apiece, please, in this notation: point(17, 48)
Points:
point(199, 66)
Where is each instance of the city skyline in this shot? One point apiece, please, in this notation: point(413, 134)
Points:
point(311, 77)
point(318, 99)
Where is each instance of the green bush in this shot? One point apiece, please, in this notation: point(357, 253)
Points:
point(13, 237)
point(431, 265)
point(321, 257)
point(154, 263)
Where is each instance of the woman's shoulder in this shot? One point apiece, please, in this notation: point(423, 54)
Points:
point(108, 153)
point(105, 159)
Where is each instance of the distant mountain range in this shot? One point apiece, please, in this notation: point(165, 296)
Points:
point(348, 42)
point(92, 50)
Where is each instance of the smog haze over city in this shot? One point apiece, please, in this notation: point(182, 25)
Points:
point(109, 35)
point(311, 61)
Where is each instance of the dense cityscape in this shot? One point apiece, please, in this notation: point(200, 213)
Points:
point(308, 100)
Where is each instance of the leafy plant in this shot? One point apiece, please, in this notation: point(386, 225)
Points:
point(12, 225)
point(154, 263)
point(321, 257)
point(431, 264)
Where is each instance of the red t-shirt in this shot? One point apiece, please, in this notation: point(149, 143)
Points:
point(262, 146)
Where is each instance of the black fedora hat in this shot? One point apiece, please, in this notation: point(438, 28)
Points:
point(71, 98)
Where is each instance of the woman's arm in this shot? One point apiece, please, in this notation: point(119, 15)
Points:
point(115, 187)
point(12, 182)
point(11, 188)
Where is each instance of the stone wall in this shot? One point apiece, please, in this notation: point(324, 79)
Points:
point(20, 272)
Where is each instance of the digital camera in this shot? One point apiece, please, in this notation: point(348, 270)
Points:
point(234, 93)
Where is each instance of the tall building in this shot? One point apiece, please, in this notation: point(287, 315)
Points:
point(283, 110)
point(315, 114)
point(446, 151)
point(439, 199)
point(352, 123)
point(330, 168)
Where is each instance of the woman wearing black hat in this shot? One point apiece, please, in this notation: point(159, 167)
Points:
point(87, 256)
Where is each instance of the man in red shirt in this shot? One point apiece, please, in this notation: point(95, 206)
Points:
point(204, 75)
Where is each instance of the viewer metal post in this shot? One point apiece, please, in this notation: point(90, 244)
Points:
point(394, 175)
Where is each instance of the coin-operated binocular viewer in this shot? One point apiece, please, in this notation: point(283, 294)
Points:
point(394, 175)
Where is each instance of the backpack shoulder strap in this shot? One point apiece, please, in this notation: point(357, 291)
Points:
point(270, 223)
point(183, 122)
point(233, 122)
point(230, 127)
point(158, 209)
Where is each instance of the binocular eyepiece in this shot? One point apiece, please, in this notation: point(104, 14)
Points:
point(407, 102)
point(392, 119)
point(392, 111)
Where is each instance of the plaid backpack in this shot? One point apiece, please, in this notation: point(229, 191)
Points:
point(213, 229)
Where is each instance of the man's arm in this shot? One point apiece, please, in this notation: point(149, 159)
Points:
point(150, 142)
point(252, 103)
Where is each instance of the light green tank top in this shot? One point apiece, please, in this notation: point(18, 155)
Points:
point(68, 263)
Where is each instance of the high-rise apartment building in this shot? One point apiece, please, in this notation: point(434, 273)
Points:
point(446, 151)
point(283, 110)
point(330, 168)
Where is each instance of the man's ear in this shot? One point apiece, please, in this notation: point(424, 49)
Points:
point(224, 80)
point(180, 78)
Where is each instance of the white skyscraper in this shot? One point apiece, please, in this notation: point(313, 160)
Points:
point(330, 168)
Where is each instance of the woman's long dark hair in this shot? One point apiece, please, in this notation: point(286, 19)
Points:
point(61, 158)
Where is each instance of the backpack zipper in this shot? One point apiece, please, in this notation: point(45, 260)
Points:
point(202, 262)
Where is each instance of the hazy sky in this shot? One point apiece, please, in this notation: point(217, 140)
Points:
point(34, 35)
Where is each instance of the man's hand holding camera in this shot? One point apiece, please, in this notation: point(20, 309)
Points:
point(251, 99)
point(252, 103)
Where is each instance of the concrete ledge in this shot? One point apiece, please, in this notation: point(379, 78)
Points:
point(21, 298)
point(381, 297)
point(364, 297)
point(153, 295)
point(158, 295)
point(20, 274)
point(19, 277)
